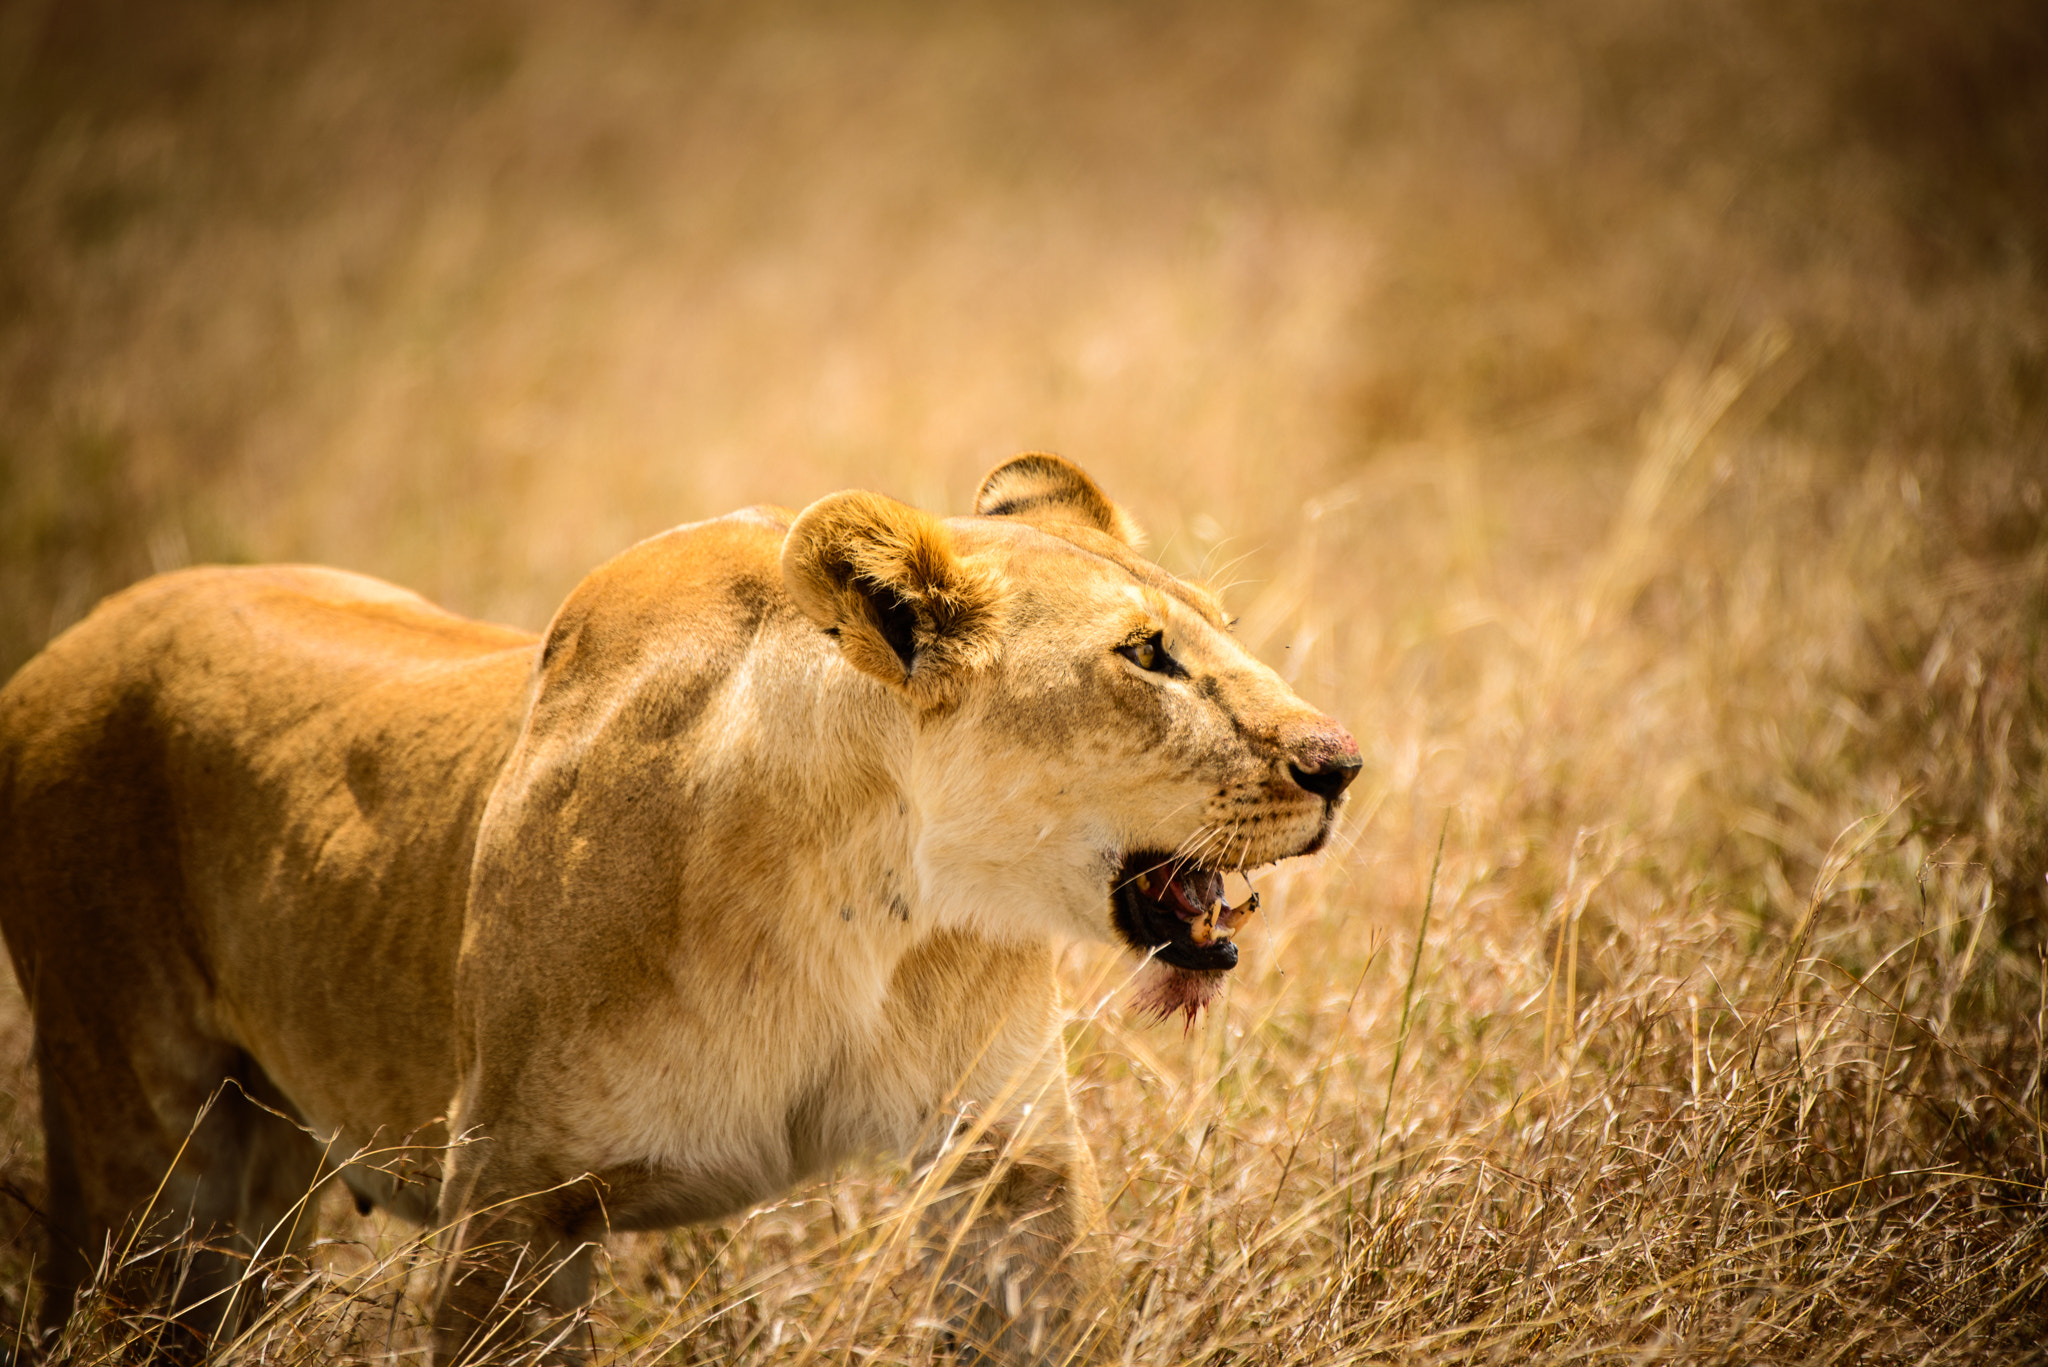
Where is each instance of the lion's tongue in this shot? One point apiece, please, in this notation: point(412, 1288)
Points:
point(1188, 892)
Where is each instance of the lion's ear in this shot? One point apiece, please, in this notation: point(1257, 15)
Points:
point(885, 580)
point(1040, 487)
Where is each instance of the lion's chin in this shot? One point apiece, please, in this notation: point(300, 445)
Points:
point(1164, 990)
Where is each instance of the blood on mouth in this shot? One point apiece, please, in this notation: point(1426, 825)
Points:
point(1169, 984)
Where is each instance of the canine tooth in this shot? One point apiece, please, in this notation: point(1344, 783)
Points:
point(1230, 918)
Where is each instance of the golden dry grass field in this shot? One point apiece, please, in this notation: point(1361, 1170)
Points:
point(1629, 417)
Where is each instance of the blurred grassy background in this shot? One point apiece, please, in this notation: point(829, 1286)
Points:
point(1630, 417)
point(470, 295)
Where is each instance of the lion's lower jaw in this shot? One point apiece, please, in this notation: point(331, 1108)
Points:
point(1165, 990)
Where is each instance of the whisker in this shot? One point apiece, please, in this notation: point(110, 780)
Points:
point(1186, 855)
point(1194, 839)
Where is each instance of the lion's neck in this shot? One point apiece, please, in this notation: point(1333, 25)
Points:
point(828, 756)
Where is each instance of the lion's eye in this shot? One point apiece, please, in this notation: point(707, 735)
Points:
point(1149, 654)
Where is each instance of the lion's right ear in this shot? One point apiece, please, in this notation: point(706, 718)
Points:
point(885, 580)
point(1040, 487)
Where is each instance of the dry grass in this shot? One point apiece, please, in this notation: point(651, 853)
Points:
point(1631, 418)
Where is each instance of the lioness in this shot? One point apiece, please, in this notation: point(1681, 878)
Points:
point(754, 861)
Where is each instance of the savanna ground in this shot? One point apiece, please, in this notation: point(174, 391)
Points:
point(1630, 417)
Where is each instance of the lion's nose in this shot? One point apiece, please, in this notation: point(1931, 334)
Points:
point(1325, 761)
point(1328, 779)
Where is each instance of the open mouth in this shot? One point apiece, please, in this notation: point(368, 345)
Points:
point(1177, 909)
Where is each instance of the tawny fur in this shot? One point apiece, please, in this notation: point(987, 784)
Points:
point(754, 862)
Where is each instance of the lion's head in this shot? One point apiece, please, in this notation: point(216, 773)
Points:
point(1091, 750)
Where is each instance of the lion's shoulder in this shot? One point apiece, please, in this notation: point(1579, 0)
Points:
point(699, 591)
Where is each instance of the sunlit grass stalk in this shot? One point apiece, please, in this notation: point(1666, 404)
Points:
point(1408, 998)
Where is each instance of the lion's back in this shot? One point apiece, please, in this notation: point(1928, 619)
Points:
point(219, 761)
point(219, 656)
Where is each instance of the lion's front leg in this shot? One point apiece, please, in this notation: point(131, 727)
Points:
point(519, 1269)
point(1014, 1238)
